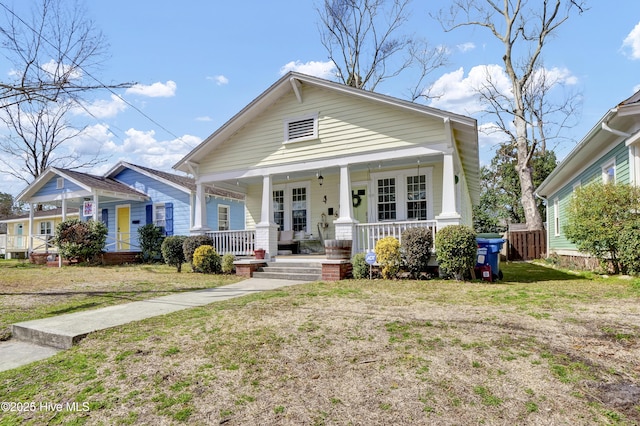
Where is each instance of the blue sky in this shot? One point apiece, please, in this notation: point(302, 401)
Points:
point(197, 63)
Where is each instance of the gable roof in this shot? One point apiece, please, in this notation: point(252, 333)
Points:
point(465, 128)
point(181, 182)
point(90, 183)
point(617, 124)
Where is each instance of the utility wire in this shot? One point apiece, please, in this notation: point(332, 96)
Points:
point(90, 75)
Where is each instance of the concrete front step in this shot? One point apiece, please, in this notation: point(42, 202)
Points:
point(307, 271)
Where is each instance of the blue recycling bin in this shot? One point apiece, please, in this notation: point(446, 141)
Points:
point(489, 254)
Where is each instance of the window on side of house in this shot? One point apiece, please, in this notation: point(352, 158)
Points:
point(159, 215)
point(223, 217)
point(609, 172)
point(46, 228)
point(301, 128)
point(556, 217)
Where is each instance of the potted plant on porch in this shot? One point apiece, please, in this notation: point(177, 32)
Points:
point(259, 253)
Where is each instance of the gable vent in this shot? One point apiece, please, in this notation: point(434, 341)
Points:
point(301, 129)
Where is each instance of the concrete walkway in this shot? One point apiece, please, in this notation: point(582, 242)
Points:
point(39, 339)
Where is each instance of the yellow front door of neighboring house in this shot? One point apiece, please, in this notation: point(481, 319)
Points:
point(123, 229)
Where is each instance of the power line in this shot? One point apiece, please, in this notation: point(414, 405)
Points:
point(94, 78)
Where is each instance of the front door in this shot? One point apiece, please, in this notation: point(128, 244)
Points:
point(123, 220)
point(359, 200)
point(19, 241)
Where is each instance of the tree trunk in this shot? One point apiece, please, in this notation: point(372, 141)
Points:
point(525, 173)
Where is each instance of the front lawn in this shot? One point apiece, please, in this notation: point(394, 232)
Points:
point(560, 350)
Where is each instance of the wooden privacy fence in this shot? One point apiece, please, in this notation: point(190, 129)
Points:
point(526, 245)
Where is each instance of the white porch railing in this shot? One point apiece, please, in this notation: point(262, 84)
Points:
point(367, 234)
point(238, 243)
point(40, 243)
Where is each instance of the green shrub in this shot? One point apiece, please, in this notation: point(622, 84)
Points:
point(172, 251)
point(150, 237)
point(388, 255)
point(81, 241)
point(456, 250)
point(192, 243)
point(227, 263)
point(206, 259)
point(629, 244)
point(416, 250)
point(360, 266)
point(596, 215)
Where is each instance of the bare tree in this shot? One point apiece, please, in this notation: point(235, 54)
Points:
point(360, 37)
point(54, 55)
point(524, 32)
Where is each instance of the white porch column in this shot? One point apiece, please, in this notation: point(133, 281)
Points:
point(345, 223)
point(30, 238)
point(200, 213)
point(449, 214)
point(266, 229)
point(64, 208)
point(96, 207)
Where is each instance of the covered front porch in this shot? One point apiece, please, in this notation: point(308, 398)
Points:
point(359, 199)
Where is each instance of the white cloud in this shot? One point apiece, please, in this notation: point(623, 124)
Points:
point(465, 47)
point(103, 108)
point(92, 140)
point(143, 148)
point(156, 90)
point(220, 80)
point(205, 118)
point(457, 93)
point(317, 69)
point(55, 69)
point(631, 44)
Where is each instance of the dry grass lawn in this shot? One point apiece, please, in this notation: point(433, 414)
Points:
point(543, 347)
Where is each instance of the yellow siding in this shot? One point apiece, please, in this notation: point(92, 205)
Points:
point(347, 126)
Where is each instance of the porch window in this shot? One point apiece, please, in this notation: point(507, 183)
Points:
point(291, 207)
point(223, 218)
point(46, 228)
point(387, 199)
point(417, 197)
point(278, 208)
point(299, 209)
point(403, 195)
point(159, 216)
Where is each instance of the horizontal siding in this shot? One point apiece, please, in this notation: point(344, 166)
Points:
point(593, 173)
point(236, 213)
point(347, 126)
point(50, 187)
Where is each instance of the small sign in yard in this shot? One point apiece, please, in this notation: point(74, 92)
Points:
point(370, 258)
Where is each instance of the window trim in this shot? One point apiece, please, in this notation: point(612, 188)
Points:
point(556, 217)
point(155, 217)
point(288, 207)
point(60, 183)
point(401, 191)
point(606, 166)
point(287, 122)
point(50, 227)
point(228, 220)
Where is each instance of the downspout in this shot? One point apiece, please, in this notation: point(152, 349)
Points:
point(605, 125)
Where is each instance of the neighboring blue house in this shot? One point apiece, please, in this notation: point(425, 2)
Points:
point(610, 152)
point(125, 198)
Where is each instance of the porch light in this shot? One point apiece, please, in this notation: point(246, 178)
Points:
point(320, 179)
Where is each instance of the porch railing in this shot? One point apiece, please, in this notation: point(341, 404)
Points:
point(40, 243)
point(122, 241)
point(367, 234)
point(238, 243)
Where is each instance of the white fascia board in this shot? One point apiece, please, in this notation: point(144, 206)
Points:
point(325, 163)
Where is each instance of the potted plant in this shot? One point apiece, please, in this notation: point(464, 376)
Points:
point(259, 253)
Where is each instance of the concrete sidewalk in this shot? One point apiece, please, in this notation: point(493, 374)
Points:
point(39, 339)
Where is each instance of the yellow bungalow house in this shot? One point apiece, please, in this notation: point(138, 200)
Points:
point(327, 161)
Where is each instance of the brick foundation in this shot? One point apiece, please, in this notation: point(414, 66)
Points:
point(336, 270)
point(247, 268)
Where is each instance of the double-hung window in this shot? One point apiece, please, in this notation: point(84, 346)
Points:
point(291, 207)
point(403, 195)
point(223, 217)
point(159, 216)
